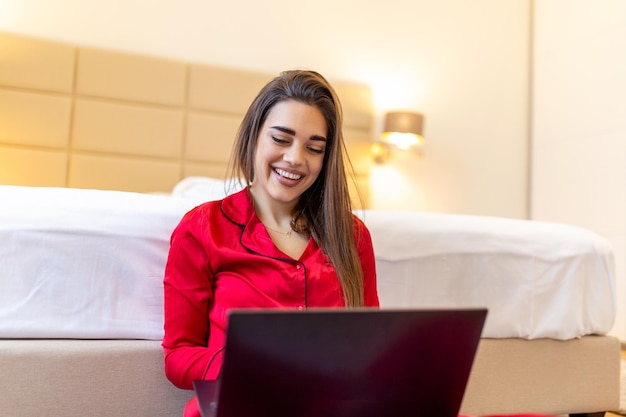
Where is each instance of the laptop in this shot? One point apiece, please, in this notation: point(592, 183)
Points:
point(344, 363)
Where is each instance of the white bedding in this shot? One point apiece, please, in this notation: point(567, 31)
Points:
point(539, 280)
point(89, 264)
point(83, 263)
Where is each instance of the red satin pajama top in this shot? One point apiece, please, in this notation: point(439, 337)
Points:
point(222, 257)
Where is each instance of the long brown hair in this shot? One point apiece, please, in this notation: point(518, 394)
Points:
point(324, 210)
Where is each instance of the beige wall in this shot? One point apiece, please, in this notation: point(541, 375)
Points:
point(475, 100)
point(463, 64)
point(579, 122)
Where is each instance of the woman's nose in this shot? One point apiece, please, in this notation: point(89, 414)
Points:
point(293, 155)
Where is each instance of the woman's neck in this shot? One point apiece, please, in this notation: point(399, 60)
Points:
point(272, 213)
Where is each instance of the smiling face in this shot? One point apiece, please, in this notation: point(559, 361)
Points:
point(290, 152)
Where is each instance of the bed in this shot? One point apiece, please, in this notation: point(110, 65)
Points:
point(100, 157)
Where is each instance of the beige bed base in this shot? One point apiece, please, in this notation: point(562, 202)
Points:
point(545, 376)
point(77, 378)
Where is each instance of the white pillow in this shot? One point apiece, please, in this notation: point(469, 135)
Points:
point(202, 189)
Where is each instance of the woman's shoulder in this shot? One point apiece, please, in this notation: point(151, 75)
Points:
point(204, 209)
point(199, 217)
point(212, 211)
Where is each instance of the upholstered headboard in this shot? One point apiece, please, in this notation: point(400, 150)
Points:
point(82, 117)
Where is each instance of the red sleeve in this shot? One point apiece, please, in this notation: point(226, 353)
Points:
point(368, 263)
point(187, 296)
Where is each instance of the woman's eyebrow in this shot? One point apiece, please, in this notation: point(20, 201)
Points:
point(293, 133)
point(318, 137)
point(285, 130)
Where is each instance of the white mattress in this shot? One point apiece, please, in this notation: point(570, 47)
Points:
point(89, 264)
point(538, 280)
point(83, 263)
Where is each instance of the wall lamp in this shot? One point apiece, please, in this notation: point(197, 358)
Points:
point(401, 130)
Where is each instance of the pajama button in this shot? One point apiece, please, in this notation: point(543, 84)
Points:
point(300, 308)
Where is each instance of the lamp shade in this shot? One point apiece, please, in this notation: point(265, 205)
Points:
point(403, 129)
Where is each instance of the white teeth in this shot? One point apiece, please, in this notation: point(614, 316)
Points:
point(287, 174)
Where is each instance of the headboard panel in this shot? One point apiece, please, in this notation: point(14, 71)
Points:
point(73, 116)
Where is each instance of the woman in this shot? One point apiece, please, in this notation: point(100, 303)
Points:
point(287, 240)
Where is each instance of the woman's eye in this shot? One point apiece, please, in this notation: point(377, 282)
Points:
point(279, 140)
point(317, 150)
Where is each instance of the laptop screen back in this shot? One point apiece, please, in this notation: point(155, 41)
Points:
point(348, 363)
